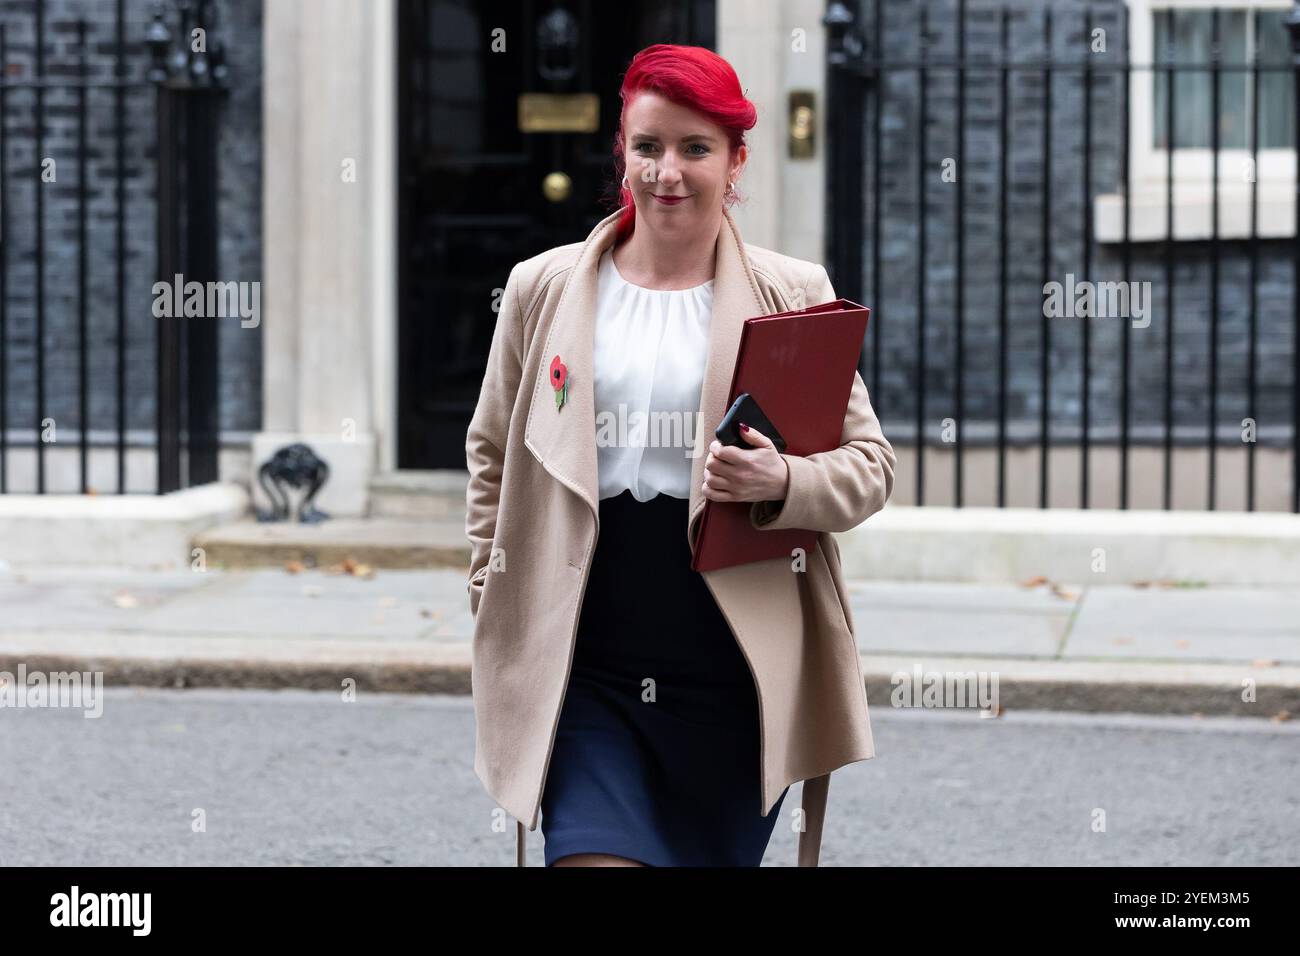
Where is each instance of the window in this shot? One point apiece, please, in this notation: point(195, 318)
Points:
point(1179, 32)
point(1185, 36)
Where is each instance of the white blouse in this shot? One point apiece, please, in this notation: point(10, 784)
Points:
point(649, 354)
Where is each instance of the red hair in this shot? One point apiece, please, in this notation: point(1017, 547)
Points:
point(690, 76)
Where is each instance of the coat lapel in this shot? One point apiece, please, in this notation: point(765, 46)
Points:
point(564, 441)
point(735, 299)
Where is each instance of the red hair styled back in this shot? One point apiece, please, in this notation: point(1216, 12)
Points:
point(690, 76)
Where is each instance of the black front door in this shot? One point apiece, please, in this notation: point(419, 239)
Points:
point(478, 193)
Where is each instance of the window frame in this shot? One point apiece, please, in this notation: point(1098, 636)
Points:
point(1190, 163)
point(1192, 188)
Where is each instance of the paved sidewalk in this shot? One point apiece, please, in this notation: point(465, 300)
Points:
point(1155, 649)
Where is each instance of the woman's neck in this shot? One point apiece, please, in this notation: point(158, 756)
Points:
point(667, 262)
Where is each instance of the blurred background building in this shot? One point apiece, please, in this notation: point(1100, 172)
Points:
point(377, 167)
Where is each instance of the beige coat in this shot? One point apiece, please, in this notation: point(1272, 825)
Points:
point(532, 523)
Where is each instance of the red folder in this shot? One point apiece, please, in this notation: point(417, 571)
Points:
point(799, 366)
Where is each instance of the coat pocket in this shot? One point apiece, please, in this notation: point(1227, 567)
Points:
point(831, 549)
point(477, 581)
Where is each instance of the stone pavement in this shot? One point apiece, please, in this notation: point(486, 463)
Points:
point(1160, 648)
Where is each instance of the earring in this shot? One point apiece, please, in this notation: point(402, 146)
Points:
point(731, 190)
point(625, 185)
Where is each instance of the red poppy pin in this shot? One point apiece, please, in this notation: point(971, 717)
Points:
point(559, 381)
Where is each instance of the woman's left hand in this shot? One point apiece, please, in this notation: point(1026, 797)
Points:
point(733, 473)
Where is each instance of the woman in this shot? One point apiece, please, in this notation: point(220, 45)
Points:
point(652, 715)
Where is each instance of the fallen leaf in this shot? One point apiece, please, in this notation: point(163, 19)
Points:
point(1122, 640)
point(1281, 716)
point(1263, 662)
point(1033, 582)
point(1182, 642)
point(294, 567)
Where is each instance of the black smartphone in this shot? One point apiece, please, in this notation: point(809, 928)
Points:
point(746, 409)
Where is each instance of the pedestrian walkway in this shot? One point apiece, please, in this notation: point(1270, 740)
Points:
point(1158, 648)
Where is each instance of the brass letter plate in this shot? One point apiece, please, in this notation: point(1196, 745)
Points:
point(559, 112)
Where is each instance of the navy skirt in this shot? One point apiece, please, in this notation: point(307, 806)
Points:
point(656, 756)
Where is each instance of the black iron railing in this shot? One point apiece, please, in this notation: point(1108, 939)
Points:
point(181, 148)
point(1035, 71)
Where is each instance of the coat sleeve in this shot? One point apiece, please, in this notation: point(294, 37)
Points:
point(839, 489)
point(485, 442)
